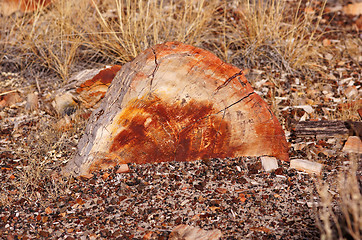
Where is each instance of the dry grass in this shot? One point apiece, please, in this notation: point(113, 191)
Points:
point(258, 33)
point(41, 153)
point(88, 31)
point(341, 218)
point(72, 33)
point(128, 27)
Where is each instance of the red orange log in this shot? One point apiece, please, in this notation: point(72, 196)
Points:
point(176, 102)
point(7, 7)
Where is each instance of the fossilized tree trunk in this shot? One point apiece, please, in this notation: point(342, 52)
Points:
point(7, 7)
point(175, 102)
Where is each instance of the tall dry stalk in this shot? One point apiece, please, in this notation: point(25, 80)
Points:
point(341, 219)
point(128, 27)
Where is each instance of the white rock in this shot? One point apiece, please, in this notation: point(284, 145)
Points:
point(32, 101)
point(307, 166)
point(269, 163)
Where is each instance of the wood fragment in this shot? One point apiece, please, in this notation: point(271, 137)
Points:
point(326, 128)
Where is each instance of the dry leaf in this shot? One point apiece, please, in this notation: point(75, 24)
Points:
point(353, 9)
point(48, 210)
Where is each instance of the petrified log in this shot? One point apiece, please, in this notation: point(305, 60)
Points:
point(175, 102)
point(85, 90)
point(7, 7)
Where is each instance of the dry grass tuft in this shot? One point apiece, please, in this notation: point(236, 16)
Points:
point(258, 33)
point(128, 27)
point(341, 218)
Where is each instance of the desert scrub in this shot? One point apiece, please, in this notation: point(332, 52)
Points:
point(128, 27)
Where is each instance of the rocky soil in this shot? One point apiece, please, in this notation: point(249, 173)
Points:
point(236, 196)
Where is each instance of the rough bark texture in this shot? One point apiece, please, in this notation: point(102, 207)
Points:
point(175, 102)
point(327, 128)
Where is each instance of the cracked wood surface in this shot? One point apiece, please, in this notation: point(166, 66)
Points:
point(85, 90)
point(175, 102)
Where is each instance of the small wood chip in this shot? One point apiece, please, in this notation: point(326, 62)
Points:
point(32, 101)
point(307, 166)
point(353, 145)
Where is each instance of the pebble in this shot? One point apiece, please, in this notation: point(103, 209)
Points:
point(269, 163)
point(306, 108)
point(123, 168)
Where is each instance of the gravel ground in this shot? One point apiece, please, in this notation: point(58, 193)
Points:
point(233, 195)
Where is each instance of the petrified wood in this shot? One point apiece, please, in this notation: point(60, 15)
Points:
point(327, 128)
point(85, 90)
point(7, 7)
point(176, 102)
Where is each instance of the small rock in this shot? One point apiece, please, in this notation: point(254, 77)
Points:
point(353, 145)
point(254, 167)
point(32, 101)
point(64, 124)
point(221, 190)
point(185, 232)
point(269, 163)
point(64, 104)
point(305, 165)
